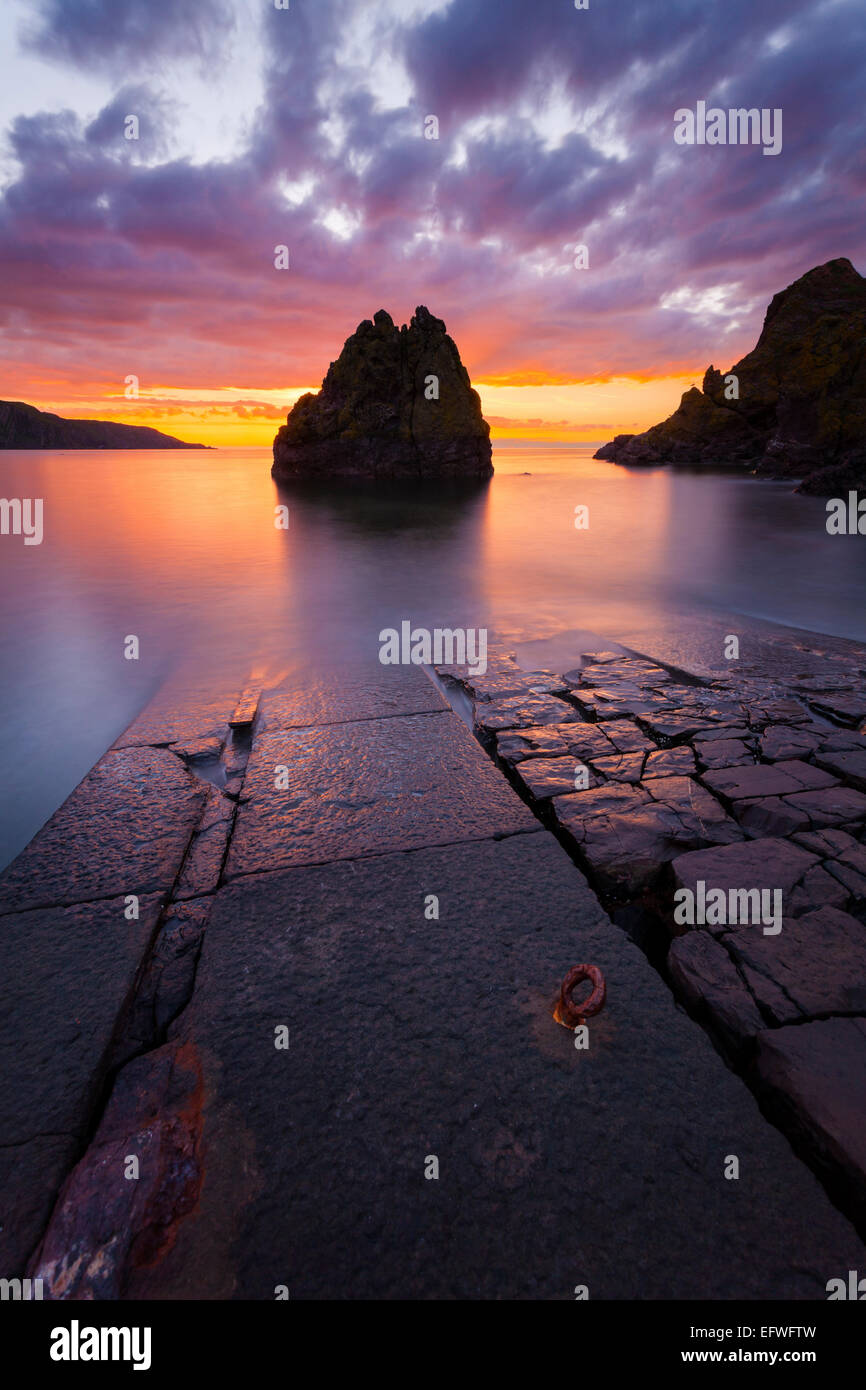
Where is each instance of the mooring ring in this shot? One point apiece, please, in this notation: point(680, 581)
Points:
point(573, 1014)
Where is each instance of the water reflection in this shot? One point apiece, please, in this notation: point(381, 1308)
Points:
point(182, 550)
point(361, 561)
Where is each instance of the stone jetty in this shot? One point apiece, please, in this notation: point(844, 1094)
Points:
point(281, 975)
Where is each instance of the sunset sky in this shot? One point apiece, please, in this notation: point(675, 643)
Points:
point(304, 127)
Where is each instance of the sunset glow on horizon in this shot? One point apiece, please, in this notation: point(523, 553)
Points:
point(229, 418)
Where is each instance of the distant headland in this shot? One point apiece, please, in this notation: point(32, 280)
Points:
point(397, 404)
point(24, 427)
point(795, 406)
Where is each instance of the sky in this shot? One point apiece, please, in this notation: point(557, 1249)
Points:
point(306, 127)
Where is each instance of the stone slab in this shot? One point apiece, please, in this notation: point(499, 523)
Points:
point(553, 741)
point(545, 777)
point(815, 1075)
point(412, 1038)
point(770, 815)
point(725, 753)
point(820, 886)
point(180, 716)
point(831, 806)
point(684, 723)
point(626, 737)
point(625, 838)
point(781, 742)
point(348, 694)
point(67, 973)
point(621, 767)
point(706, 979)
point(850, 766)
point(368, 788)
point(816, 964)
point(670, 762)
point(124, 829)
point(523, 712)
point(766, 779)
point(503, 678)
point(770, 863)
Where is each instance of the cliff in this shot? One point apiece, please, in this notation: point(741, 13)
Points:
point(24, 427)
point(801, 404)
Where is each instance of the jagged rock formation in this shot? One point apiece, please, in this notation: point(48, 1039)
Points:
point(801, 410)
point(376, 416)
point(24, 427)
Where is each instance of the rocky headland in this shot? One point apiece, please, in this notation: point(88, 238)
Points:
point(397, 404)
point(798, 406)
point(24, 427)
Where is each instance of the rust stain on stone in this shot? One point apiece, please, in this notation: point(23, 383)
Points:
point(178, 1190)
point(114, 1216)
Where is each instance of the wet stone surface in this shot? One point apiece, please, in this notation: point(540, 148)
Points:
point(368, 788)
point(297, 876)
point(670, 762)
point(344, 696)
point(89, 983)
point(105, 1225)
point(763, 779)
point(67, 974)
point(770, 794)
point(523, 712)
point(781, 742)
point(622, 767)
point(452, 1052)
point(576, 740)
point(770, 815)
point(724, 753)
point(626, 834)
point(546, 777)
point(124, 829)
point(848, 765)
point(705, 977)
point(180, 717)
point(837, 806)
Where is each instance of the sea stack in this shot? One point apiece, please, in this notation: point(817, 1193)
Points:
point(397, 404)
point(795, 406)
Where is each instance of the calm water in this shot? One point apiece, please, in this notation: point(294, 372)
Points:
point(181, 550)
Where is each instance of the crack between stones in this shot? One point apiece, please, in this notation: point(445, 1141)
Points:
point(382, 854)
point(109, 1071)
point(544, 814)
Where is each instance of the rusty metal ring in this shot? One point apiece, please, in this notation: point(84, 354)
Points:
point(572, 1013)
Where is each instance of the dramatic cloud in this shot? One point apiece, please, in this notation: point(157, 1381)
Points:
point(156, 255)
point(131, 33)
